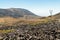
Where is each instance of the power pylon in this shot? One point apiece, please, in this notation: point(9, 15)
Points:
point(51, 11)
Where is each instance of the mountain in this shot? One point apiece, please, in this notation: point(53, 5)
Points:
point(15, 12)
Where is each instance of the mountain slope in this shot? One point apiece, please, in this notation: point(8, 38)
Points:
point(57, 16)
point(15, 12)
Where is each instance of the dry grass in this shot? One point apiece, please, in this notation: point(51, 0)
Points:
point(7, 31)
point(10, 21)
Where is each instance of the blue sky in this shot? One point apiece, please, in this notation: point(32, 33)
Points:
point(39, 7)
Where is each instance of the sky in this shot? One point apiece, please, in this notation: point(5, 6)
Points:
point(38, 7)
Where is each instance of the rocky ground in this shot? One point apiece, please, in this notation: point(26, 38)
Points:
point(45, 31)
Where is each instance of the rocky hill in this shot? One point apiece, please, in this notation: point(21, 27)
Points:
point(44, 30)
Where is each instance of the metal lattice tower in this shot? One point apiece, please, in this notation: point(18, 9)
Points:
point(51, 11)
